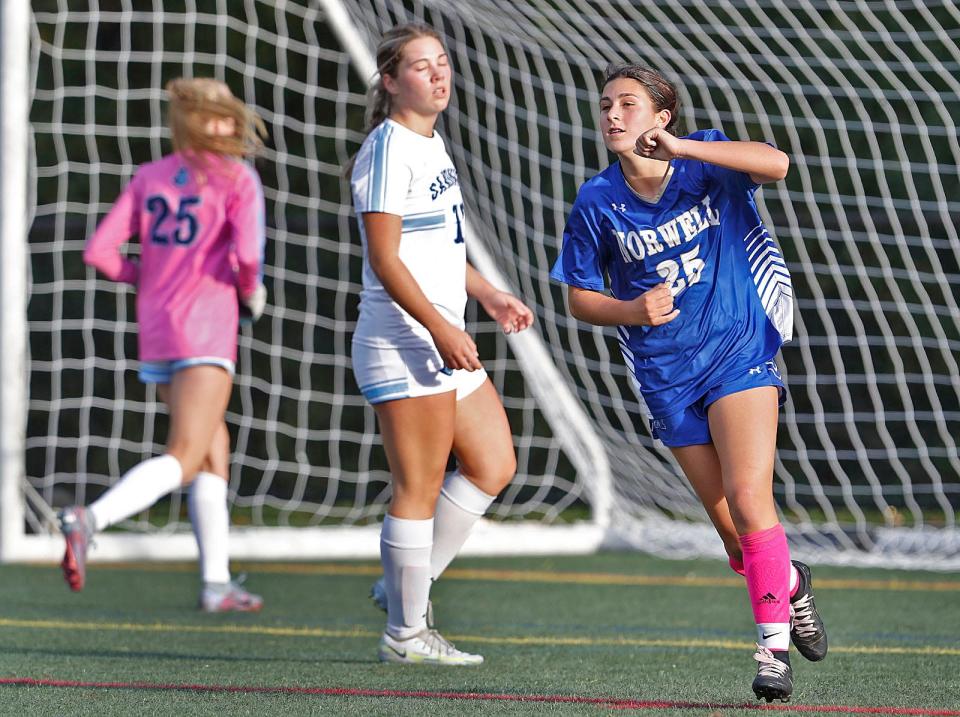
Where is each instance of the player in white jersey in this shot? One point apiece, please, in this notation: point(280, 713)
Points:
point(411, 356)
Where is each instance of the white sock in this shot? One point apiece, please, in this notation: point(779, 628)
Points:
point(460, 505)
point(405, 552)
point(139, 488)
point(773, 635)
point(207, 506)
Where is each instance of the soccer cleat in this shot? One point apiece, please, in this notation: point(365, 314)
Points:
point(774, 680)
point(229, 598)
point(378, 594)
point(427, 647)
point(77, 532)
point(806, 628)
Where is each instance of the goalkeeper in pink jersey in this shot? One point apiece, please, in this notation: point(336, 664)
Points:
point(199, 213)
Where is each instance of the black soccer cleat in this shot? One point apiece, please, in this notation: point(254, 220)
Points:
point(774, 680)
point(807, 632)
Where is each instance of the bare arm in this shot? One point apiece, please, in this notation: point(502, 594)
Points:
point(652, 308)
point(762, 162)
point(504, 308)
point(383, 249)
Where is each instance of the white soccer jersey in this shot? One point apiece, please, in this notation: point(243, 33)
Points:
point(400, 172)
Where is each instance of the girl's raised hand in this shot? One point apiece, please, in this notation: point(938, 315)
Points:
point(657, 143)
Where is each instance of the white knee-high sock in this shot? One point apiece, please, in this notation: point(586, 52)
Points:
point(207, 506)
point(460, 505)
point(139, 488)
point(405, 553)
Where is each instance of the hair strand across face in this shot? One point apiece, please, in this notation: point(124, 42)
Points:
point(195, 101)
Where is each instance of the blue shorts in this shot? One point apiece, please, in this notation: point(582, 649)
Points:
point(689, 426)
point(162, 371)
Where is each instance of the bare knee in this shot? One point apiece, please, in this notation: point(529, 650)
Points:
point(415, 500)
point(190, 458)
point(195, 456)
point(217, 460)
point(217, 467)
point(492, 476)
point(752, 509)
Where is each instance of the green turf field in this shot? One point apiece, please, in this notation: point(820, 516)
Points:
point(620, 629)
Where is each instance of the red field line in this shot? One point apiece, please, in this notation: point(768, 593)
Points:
point(612, 702)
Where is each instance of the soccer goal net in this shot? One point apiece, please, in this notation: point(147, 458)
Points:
point(863, 97)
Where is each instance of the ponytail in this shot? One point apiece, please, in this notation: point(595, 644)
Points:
point(389, 54)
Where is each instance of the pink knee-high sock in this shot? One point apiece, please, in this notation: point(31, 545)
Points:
point(736, 564)
point(766, 563)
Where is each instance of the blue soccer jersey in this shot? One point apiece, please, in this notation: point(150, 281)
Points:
point(705, 239)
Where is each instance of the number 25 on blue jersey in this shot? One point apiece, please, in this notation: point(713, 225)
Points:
point(692, 269)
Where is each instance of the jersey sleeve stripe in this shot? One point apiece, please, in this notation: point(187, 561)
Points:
point(377, 186)
point(419, 215)
point(414, 224)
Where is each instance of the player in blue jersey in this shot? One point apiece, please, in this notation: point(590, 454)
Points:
point(667, 245)
point(413, 360)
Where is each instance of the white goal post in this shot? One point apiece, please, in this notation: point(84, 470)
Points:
point(863, 96)
point(14, 138)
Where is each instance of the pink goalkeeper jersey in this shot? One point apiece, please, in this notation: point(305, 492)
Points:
point(201, 243)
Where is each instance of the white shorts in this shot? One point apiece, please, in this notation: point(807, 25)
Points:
point(162, 371)
point(390, 374)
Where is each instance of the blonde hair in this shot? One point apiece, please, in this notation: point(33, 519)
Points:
point(194, 101)
point(389, 54)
